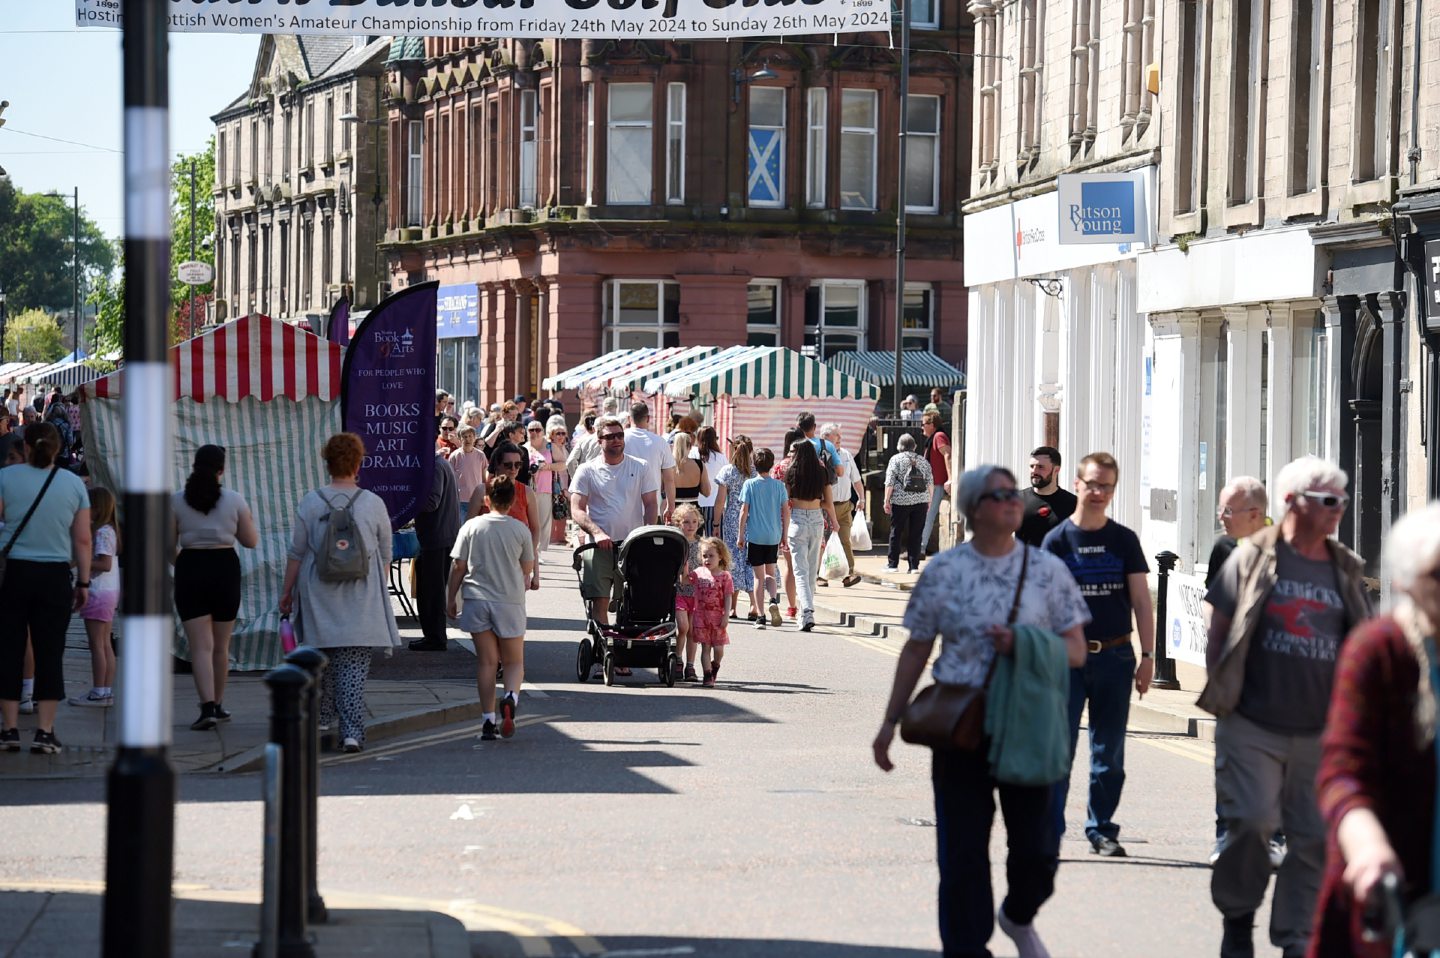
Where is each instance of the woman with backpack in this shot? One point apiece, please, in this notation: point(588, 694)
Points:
point(907, 496)
point(208, 522)
point(336, 581)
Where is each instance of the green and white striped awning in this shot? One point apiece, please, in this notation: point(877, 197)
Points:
point(577, 376)
point(764, 372)
point(625, 380)
point(919, 367)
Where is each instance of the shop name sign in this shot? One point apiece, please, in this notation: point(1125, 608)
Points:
point(1102, 208)
point(1432, 306)
point(565, 19)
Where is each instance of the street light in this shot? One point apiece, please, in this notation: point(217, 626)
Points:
point(74, 272)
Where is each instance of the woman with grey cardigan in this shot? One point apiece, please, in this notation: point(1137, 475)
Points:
point(348, 620)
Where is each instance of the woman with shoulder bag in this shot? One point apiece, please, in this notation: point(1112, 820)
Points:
point(559, 447)
point(970, 597)
point(907, 494)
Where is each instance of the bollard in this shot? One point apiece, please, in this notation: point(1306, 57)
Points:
point(1164, 665)
point(287, 687)
point(313, 661)
point(270, 866)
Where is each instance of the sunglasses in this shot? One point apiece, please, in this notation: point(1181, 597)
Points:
point(612, 437)
point(999, 495)
point(1229, 511)
point(1101, 487)
point(1328, 500)
point(509, 464)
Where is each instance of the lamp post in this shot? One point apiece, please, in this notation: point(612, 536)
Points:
point(2, 324)
point(74, 270)
point(902, 195)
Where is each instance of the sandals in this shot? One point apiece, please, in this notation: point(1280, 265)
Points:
point(623, 670)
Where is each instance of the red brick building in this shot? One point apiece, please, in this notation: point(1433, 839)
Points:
point(604, 193)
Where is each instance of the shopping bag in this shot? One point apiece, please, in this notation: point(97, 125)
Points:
point(860, 534)
point(833, 564)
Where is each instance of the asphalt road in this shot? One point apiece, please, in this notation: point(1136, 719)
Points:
point(747, 820)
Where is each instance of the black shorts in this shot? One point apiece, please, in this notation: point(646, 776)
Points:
point(207, 582)
point(756, 554)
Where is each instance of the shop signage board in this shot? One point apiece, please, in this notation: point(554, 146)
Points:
point(1432, 285)
point(1102, 208)
point(458, 309)
point(1185, 635)
point(564, 19)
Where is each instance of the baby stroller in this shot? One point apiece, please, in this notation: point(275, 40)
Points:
point(643, 632)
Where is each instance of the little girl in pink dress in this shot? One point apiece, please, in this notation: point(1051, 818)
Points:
point(710, 620)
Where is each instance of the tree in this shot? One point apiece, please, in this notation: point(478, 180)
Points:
point(36, 247)
point(34, 336)
point(180, 225)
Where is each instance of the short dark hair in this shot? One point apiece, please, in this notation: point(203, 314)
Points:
point(639, 412)
point(764, 460)
point(805, 421)
point(1049, 452)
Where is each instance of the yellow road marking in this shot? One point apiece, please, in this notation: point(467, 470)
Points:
point(1194, 750)
point(436, 738)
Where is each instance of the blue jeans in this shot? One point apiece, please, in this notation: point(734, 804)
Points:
point(1104, 681)
point(807, 539)
point(964, 814)
point(932, 512)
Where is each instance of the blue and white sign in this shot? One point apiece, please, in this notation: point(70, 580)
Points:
point(763, 167)
point(1103, 208)
point(457, 311)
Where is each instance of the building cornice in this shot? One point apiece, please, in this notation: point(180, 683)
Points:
point(1121, 163)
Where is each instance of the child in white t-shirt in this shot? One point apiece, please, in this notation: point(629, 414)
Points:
point(99, 611)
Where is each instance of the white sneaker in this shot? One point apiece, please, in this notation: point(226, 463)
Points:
point(892, 568)
point(351, 745)
point(1026, 938)
point(1277, 854)
point(92, 700)
point(27, 706)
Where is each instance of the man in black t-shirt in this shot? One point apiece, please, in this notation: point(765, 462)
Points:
point(1046, 504)
point(1241, 511)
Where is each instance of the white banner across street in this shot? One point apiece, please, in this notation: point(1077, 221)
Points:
point(567, 19)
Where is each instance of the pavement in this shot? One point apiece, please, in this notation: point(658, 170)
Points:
point(407, 693)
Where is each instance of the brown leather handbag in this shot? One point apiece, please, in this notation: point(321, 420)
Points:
point(952, 717)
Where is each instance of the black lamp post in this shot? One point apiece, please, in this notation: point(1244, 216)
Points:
point(2, 324)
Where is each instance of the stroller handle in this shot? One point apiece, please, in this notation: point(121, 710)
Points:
point(1384, 914)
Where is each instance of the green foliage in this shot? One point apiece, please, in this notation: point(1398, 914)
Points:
point(34, 336)
point(108, 297)
point(36, 244)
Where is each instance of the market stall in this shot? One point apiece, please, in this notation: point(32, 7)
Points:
point(266, 391)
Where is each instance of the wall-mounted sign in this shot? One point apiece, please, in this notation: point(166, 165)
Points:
point(566, 19)
point(1103, 208)
point(457, 311)
point(194, 273)
point(1432, 285)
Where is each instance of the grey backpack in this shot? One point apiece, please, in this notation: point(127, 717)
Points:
point(342, 556)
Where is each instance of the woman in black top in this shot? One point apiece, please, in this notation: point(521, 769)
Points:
point(811, 513)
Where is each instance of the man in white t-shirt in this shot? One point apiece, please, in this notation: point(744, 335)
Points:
point(643, 444)
point(610, 497)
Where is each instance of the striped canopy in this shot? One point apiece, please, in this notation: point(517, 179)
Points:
point(577, 376)
point(250, 357)
point(64, 374)
point(765, 372)
point(634, 375)
point(920, 367)
point(18, 372)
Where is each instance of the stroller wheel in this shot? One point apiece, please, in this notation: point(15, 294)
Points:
point(672, 669)
point(584, 659)
point(609, 668)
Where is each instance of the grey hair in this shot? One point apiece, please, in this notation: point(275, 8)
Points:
point(906, 443)
point(829, 429)
point(554, 423)
point(972, 487)
point(1305, 474)
point(610, 405)
point(604, 421)
point(1251, 488)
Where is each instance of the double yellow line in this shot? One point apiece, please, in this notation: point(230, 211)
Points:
point(400, 746)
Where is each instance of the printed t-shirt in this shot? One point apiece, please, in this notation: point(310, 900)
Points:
point(1290, 667)
point(492, 547)
point(1100, 560)
point(615, 492)
point(766, 498)
point(104, 545)
point(1043, 513)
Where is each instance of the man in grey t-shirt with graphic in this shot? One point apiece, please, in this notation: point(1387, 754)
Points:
point(1283, 603)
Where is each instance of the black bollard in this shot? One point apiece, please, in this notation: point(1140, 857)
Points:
point(313, 661)
point(287, 688)
point(1164, 665)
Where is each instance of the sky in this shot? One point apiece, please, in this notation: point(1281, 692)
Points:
point(65, 82)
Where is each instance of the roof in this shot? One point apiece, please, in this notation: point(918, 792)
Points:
point(765, 372)
point(626, 379)
point(253, 356)
point(320, 53)
point(406, 48)
point(575, 376)
point(920, 367)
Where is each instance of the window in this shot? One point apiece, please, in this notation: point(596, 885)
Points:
point(253, 173)
point(309, 136)
point(1027, 113)
point(987, 142)
point(330, 128)
point(816, 120)
point(1245, 103)
point(834, 317)
point(286, 134)
point(1190, 148)
point(269, 154)
point(589, 144)
point(1372, 132)
point(459, 369)
point(919, 317)
point(347, 109)
point(628, 156)
point(641, 313)
point(762, 323)
point(327, 244)
point(1307, 96)
point(252, 247)
point(414, 174)
point(444, 162)
point(857, 149)
point(924, 14)
point(922, 154)
point(529, 149)
point(220, 158)
point(675, 143)
point(765, 158)
point(265, 269)
point(1138, 53)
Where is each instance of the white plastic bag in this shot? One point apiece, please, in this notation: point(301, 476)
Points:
point(833, 564)
point(860, 534)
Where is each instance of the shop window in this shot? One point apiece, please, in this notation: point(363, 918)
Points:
point(459, 372)
point(858, 130)
point(640, 313)
point(762, 323)
point(628, 161)
point(834, 317)
point(765, 157)
point(919, 317)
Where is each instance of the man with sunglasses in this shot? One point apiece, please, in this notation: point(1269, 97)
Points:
point(610, 497)
point(1282, 604)
point(1106, 560)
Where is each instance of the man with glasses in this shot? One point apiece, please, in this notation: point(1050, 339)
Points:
point(1281, 605)
point(610, 497)
point(1106, 560)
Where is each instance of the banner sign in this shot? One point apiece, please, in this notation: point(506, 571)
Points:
point(387, 397)
point(1185, 632)
point(337, 330)
point(564, 19)
point(459, 311)
point(1103, 208)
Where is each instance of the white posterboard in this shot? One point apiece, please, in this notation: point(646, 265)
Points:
point(1185, 638)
